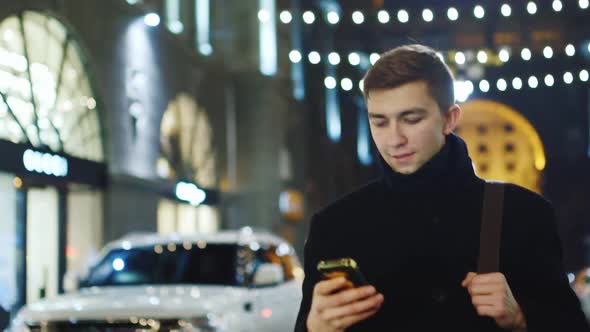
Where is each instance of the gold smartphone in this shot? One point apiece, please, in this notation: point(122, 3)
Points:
point(342, 267)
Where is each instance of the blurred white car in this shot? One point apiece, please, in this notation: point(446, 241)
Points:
point(229, 281)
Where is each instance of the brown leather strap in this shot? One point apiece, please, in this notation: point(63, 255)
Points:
point(491, 228)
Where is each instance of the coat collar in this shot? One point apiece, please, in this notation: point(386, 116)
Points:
point(450, 168)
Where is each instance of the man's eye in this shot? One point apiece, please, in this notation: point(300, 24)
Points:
point(378, 123)
point(412, 120)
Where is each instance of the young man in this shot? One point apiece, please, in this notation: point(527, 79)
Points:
point(415, 232)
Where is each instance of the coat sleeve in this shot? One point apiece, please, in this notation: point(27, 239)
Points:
point(311, 276)
point(541, 286)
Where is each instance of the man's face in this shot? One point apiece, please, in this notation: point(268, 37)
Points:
point(408, 126)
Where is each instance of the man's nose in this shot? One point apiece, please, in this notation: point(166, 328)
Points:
point(396, 136)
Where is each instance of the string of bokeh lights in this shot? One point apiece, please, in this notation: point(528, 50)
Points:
point(427, 14)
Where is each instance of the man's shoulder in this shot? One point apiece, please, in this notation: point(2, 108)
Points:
point(360, 198)
point(526, 198)
point(526, 208)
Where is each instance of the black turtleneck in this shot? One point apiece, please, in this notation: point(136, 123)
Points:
point(451, 166)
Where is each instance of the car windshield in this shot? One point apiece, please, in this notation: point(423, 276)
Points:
point(166, 264)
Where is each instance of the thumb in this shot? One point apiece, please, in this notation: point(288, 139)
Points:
point(468, 279)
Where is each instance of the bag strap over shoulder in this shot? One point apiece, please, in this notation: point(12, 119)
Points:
point(491, 228)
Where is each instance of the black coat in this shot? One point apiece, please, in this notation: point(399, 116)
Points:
point(416, 237)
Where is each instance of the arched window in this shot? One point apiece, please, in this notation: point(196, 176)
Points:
point(187, 143)
point(46, 97)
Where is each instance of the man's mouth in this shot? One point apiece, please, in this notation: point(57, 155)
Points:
point(403, 156)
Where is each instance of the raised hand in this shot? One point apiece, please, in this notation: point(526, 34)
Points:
point(335, 306)
point(491, 296)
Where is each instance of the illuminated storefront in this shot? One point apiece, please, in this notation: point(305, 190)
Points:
point(52, 170)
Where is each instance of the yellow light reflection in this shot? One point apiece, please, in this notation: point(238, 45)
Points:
point(171, 247)
point(18, 182)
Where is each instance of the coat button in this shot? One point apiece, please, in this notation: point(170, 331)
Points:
point(439, 295)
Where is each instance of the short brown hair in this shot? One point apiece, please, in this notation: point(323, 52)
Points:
point(409, 63)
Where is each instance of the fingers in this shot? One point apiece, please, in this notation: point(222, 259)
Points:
point(487, 310)
point(489, 278)
point(468, 278)
point(369, 304)
point(491, 296)
point(483, 300)
point(327, 287)
point(336, 307)
point(485, 287)
point(498, 312)
point(483, 279)
point(345, 297)
point(347, 321)
point(479, 289)
point(492, 306)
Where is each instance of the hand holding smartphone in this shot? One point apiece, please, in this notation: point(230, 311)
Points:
point(336, 306)
point(343, 267)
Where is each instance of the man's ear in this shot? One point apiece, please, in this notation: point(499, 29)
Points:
point(451, 118)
